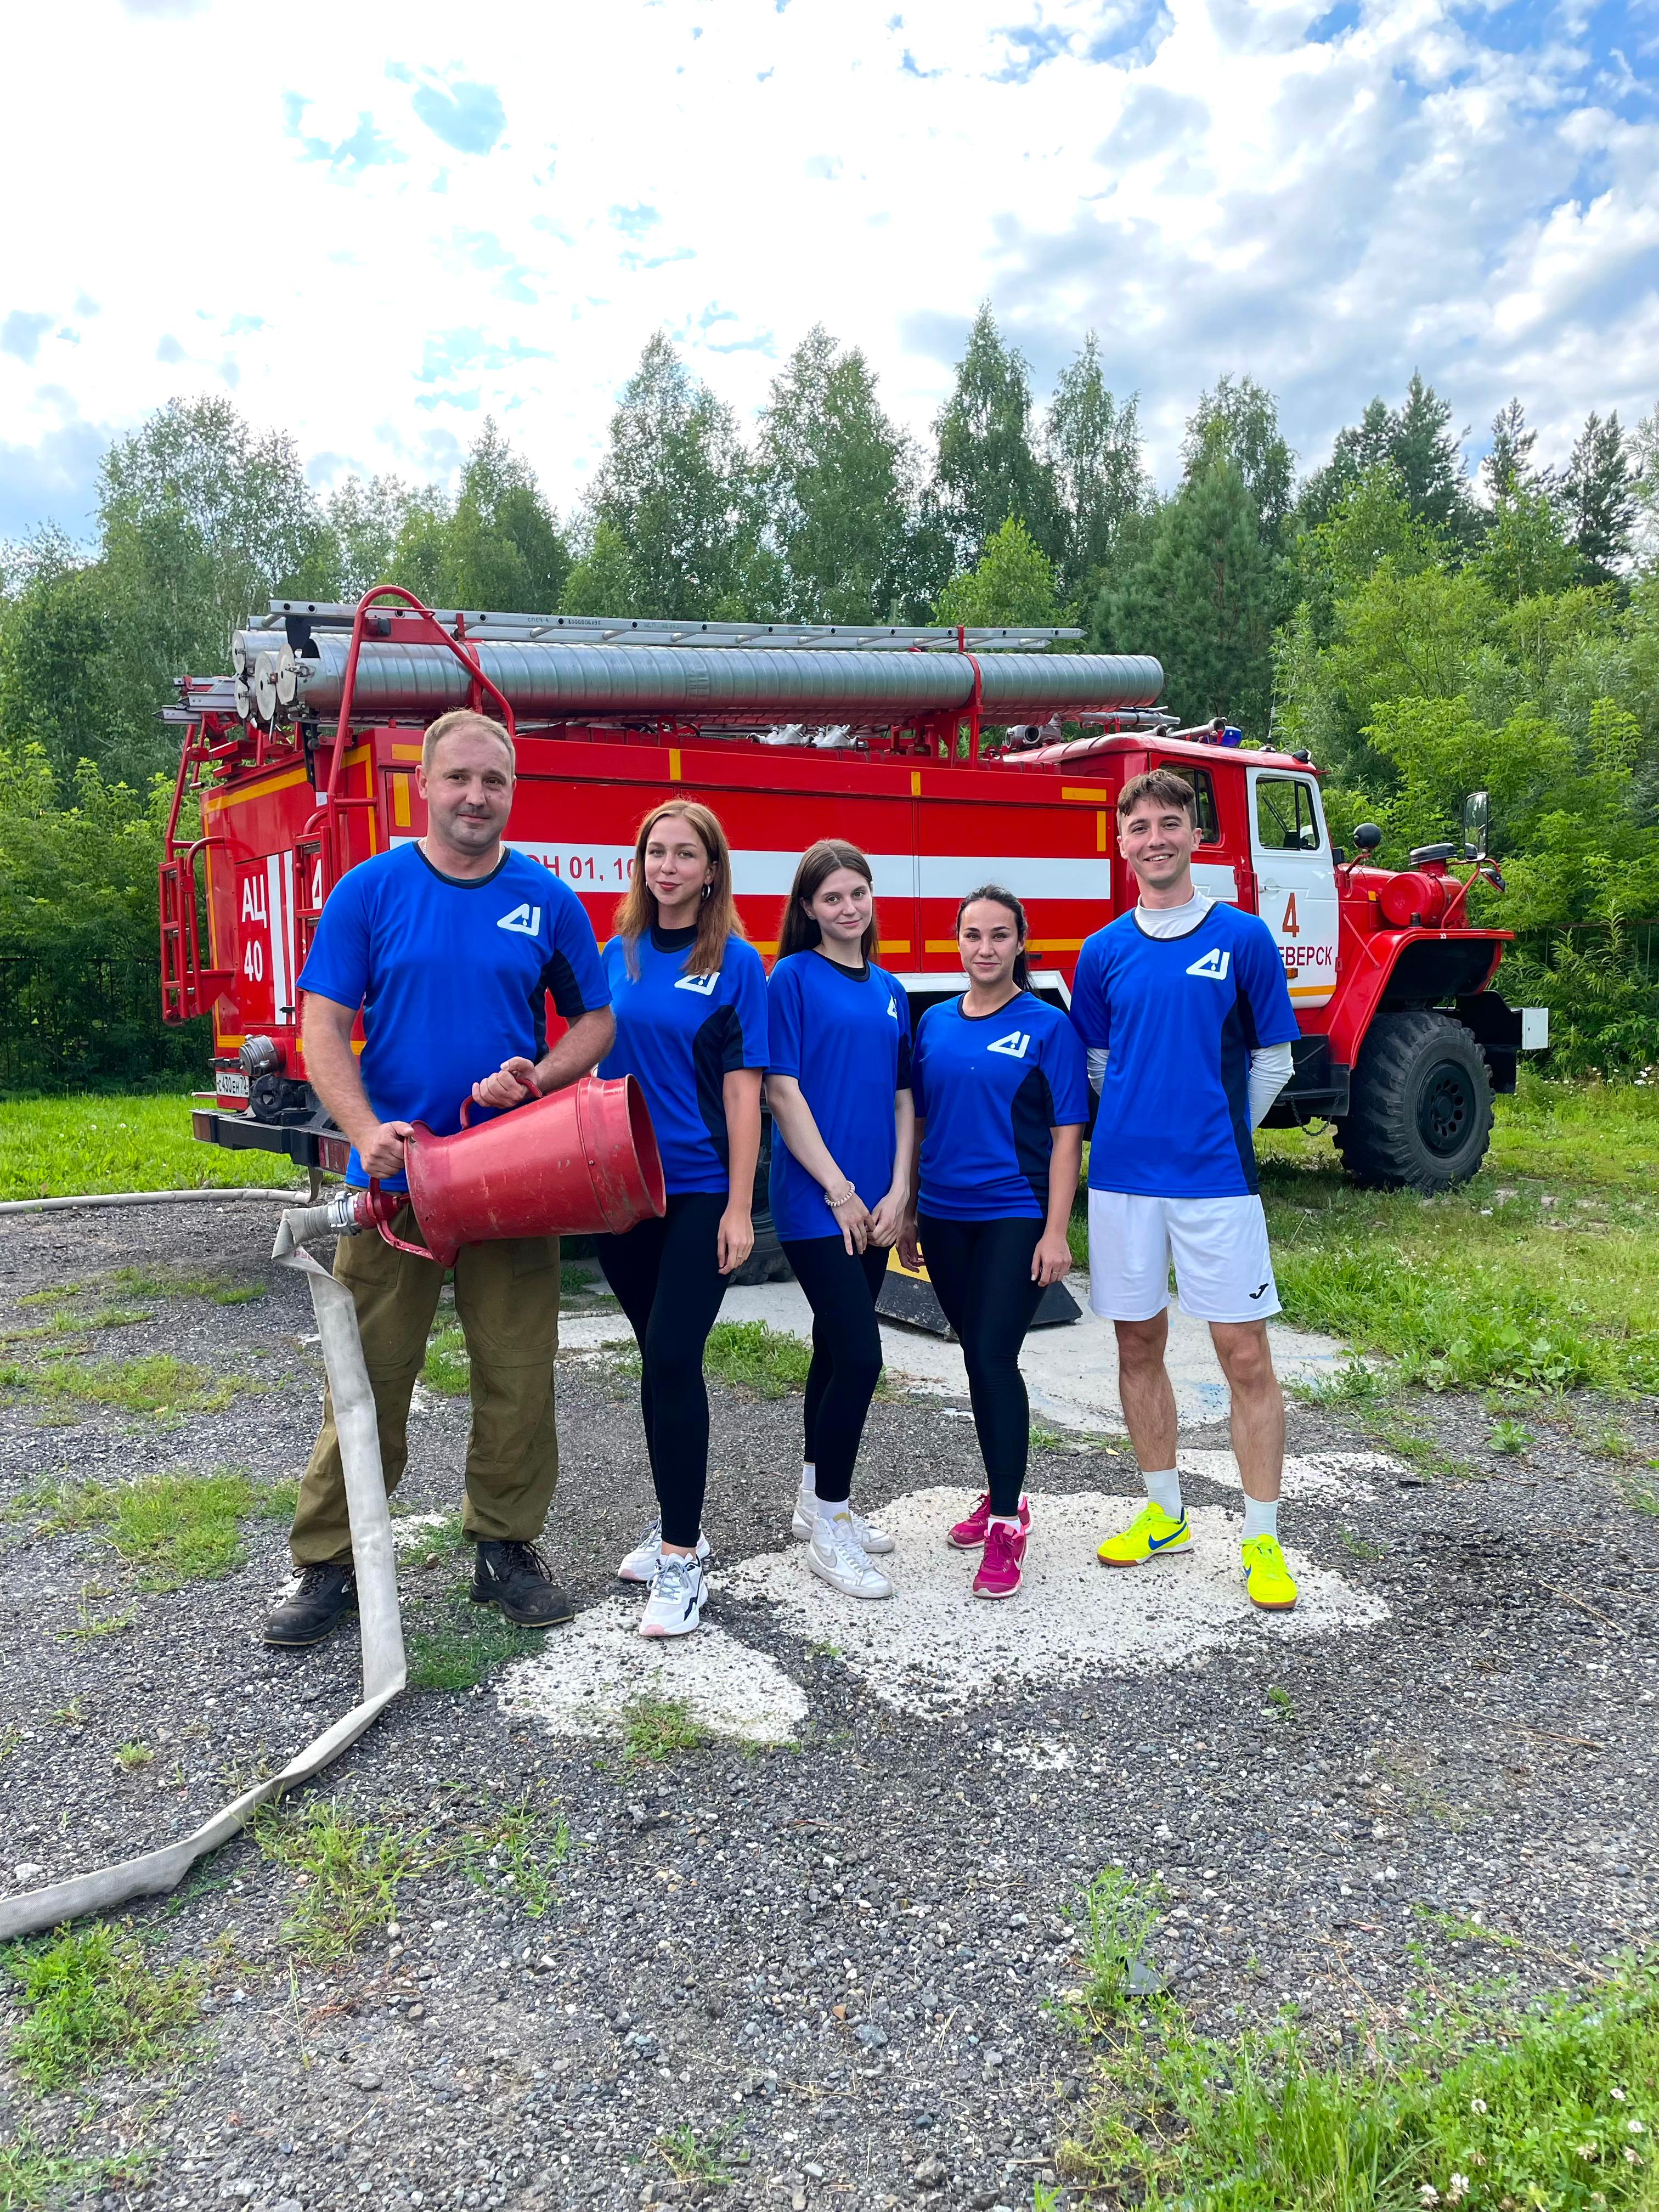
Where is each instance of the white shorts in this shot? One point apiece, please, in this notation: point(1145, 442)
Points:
point(1219, 1247)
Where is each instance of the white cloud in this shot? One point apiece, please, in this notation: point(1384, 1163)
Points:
point(1326, 197)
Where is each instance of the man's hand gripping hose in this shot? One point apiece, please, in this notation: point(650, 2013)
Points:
point(384, 1671)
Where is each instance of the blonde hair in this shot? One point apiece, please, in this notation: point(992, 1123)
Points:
point(718, 917)
point(798, 931)
point(464, 718)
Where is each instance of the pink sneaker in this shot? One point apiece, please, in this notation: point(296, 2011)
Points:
point(968, 1535)
point(999, 1571)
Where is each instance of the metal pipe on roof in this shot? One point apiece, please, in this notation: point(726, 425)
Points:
point(556, 680)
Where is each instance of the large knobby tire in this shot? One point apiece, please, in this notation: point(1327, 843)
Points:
point(1419, 1114)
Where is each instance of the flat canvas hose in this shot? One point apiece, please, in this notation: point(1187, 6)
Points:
point(385, 1670)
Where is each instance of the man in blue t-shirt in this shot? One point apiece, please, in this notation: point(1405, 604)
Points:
point(451, 946)
point(1186, 1015)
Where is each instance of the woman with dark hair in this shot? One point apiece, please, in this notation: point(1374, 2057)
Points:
point(690, 996)
point(1001, 1099)
point(838, 1084)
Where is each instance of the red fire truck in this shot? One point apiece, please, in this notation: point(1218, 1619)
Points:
point(951, 757)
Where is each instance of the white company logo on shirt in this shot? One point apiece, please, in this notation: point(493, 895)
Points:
point(892, 1008)
point(525, 918)
point(1015, 1045)
point(1214, 964)
point(703, 985)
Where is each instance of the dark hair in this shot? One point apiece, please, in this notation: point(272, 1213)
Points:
point(1163, 787)
point(998, 897)
point(799, 931)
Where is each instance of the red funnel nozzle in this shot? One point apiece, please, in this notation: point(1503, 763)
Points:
point(580, 1162)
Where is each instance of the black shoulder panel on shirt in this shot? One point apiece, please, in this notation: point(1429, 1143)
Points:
point(1033, 1120)
point(717, 1039)
point(1238, 1041)
point(558, 981)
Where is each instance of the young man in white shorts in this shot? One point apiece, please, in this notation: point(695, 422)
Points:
point(1184, 1010)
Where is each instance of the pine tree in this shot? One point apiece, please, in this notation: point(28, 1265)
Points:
point(1601, 497)
point(1508, 467)
point(1196, 586)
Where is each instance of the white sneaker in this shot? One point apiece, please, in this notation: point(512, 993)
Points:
point(641, 1562)
point(836, 1556)
point(679, 1591)
point(807, 1509)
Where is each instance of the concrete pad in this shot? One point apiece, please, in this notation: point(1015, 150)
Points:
point(934, 1646)
point(1071, 1373)
point(1306, 1474)
point(583, 1678)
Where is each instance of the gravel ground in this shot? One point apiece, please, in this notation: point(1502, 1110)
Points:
point(836, 1959)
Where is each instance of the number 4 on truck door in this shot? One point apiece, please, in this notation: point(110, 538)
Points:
point(1291, 855)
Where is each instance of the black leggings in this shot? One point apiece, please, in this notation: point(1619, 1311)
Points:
point(981, 1271)
point(667, 1279)
point(840, 1288)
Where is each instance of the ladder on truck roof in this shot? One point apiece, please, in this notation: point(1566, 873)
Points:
point(660, 630)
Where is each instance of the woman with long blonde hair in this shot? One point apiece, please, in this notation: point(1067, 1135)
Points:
point(690, 997)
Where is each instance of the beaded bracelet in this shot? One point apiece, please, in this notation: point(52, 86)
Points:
point(835, 1205)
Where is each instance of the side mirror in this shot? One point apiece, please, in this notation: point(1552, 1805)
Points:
point(1477, 820)
point(1367, 837)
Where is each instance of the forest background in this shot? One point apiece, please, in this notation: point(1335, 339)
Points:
point(1422, 631)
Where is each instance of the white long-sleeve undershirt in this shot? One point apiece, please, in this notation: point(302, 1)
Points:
point(1271, 1064)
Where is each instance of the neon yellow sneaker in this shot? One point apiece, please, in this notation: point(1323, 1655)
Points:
point(1151, 1535)
point(1268, 1582)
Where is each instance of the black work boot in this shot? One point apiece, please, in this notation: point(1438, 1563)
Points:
point(323, 1596)
point(519, 1582)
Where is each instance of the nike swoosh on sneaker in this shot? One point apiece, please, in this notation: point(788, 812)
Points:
point(1158, 1543)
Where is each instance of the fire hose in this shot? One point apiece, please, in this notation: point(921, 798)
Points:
point(581, 1160)
point(374, 1560)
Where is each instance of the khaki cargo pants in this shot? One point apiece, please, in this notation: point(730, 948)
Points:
point(507, 1300)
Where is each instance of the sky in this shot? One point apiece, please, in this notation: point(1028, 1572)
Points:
point(374, 247)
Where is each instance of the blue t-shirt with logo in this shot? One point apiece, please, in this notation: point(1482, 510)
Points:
point(680, 1035)
point(844, 1034)
point(453, 975)
point(1178, 1018)
point(991, 1088)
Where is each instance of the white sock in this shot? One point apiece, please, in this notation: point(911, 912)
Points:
point(1006, 1520)
point(1260, 1518)
point(809, 1478)
point(1164, 1488)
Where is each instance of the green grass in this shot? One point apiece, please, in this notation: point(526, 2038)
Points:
point(158, 1383)
point(756, 1360)
point(1492, 2109)
point(1116, 1917)
point(654, 1728)
point(464, 1647)
point(93, 1999)
point(448, 1369)
point(346, 1872)
point(70, 1147)
point(520, 1851)
point(1467, 1292)
point(131, 1756)
point(218, 1289)
point(33, 2174)
point(689, 2158)
point(174, 1528)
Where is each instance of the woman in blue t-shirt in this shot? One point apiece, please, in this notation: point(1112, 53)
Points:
point(838, 1084)
point(1001, 1099)
point(690, 998)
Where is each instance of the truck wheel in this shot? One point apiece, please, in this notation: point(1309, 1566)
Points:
point(1421, 1110)
point(767, 1262)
